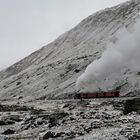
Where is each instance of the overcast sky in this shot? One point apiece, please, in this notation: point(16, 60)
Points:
point(27, 25)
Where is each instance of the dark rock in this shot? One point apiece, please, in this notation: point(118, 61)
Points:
point(138, 73)
point(72, 118)
point(36, 111)
point(5, 108)
point(83, 103)
point(81, 113)
point(80, 133)
point(61, 115)
point(132, 105)
point(71, 135)
point(2, 123)
point(66, 105)
point(134, 137)
point(96, 125)
point(133, 93)
point(63, 121)
point(53, 119)
point(5, 86)
point(76, 70)
point(40, 122)
point(53, 135)
point(9, 122)
point(59, 134)
point(6, 122)
point(20, 97)
point(11, 119)
point(88, 129)
point(15, 118)
point(48, 135)
point(26, 127)
point(70, 67)
point(18, 83)
point(8, 132)
point(126, 131)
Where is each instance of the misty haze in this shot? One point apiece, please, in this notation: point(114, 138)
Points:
point(124, 53)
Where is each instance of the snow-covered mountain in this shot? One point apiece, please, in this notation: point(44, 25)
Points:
point(52, 71)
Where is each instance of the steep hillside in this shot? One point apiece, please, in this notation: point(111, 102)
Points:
point(51, 72)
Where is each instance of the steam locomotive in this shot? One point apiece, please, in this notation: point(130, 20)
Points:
point(87, 95)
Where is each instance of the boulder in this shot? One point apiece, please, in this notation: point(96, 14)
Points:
point(132, 105)
point(8, 132)
point(48, 135)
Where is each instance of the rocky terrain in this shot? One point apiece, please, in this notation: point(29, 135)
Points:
point(51, 72)
point(99, 119)
point(36, 94)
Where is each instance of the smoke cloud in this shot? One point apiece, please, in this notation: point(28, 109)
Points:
point(124, 53)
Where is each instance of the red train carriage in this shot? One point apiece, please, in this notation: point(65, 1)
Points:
point(108, 94)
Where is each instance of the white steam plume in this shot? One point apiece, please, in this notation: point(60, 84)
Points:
point(125, 53)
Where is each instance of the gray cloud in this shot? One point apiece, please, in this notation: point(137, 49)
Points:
point(26, 25)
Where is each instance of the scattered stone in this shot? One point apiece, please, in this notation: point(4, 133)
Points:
point(2, 123)
point(66, 105)
point(59, 134)
point(134, 137)
point(8, 132)
point(71, 135)
point(36, 111)
point(72, 119)
point(6, 122)
point(39, 122)
point(53, 119)
point(76, 70)
point(9, 122)
point(15, 118)
point(5, 108)
point(48, 135)
point(20, 97)
point(18, 83)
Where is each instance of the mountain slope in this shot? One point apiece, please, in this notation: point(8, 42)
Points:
point(52, 71)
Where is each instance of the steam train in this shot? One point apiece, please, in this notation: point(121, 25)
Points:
point(87, 95)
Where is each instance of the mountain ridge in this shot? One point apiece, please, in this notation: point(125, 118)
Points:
point(52, 71)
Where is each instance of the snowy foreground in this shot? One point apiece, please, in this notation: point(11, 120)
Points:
point(99, 119)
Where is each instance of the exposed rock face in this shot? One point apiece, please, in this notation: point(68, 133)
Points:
point(51, 72)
